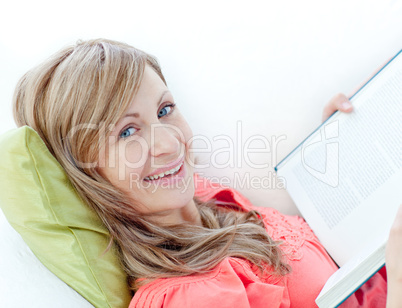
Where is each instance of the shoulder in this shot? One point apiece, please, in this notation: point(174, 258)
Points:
point(206, 189)
point(231, 280)
point(292, 231)
point(276, 222)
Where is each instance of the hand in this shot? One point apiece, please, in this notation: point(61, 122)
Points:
point(338, 102)
point(341, 102)
point(393, 262)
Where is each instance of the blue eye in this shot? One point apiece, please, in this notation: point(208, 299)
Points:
point(165, 110)
point(127, 132)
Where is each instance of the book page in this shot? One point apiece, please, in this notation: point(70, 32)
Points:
point(346, 177)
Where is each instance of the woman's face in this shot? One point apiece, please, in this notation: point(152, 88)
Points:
point(147, 156)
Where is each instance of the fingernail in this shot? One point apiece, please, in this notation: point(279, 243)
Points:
point(346, 105)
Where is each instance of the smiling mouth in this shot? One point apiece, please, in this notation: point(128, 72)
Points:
point(165, 174)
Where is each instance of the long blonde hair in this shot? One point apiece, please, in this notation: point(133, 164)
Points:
point(87, 87)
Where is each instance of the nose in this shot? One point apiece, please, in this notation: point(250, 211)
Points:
point(164, 140)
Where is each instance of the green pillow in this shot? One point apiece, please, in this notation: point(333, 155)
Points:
point(66, 235)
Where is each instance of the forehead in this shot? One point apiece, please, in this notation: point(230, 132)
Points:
point(151, 83)
point(149, 94)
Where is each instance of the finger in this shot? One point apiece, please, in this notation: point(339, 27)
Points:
point(341, 102)
point(338, 102)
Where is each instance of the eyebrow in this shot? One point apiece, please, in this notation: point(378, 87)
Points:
point(136, 114)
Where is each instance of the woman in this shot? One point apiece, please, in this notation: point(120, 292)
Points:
point(104, 111)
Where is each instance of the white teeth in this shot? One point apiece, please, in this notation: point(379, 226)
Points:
point(161, 175)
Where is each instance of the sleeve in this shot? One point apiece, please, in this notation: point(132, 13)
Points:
point(224, 294)
point(229, 285)
point(206, 190)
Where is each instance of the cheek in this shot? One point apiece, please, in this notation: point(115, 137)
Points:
point(188, 135)
point(185, 129)
point(132, 157)
point(123, 162)
point(104, 167)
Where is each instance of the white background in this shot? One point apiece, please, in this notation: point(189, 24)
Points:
point(272, 65)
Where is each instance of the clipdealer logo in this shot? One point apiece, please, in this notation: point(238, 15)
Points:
point(328, 138)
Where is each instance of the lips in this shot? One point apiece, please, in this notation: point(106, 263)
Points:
point(163, 174)
point(168, 170)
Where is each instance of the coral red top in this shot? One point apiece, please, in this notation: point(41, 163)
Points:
point(234, 282)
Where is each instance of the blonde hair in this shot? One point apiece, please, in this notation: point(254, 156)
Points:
point(85, 87)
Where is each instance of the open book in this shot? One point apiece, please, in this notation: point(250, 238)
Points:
point(346, 180)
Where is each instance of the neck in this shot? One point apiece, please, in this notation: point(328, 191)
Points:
point(188, 214)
